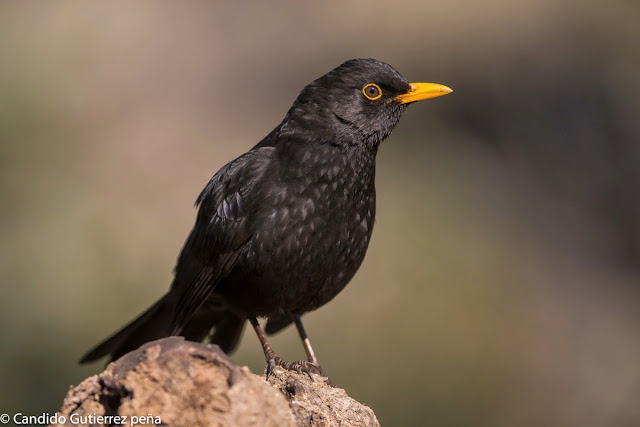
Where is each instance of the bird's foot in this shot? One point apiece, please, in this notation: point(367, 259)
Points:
point(300, 366)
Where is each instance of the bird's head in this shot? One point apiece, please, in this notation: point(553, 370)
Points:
point(359, 102)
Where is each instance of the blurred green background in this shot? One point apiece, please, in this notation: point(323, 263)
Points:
point(501, 286)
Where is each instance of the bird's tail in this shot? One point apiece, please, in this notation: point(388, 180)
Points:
point(150, 325)
point(155, 323)
point(227, 327)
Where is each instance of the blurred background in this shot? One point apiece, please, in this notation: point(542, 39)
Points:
point(502, 284)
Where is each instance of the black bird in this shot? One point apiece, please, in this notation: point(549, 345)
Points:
point(284, 227)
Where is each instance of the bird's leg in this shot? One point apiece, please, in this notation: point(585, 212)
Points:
point(311, 356)
point(274, 360)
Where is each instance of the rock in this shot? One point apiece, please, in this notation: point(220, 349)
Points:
point(183, 383)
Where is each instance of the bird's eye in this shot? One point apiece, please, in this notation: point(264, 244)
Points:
point(372, 91)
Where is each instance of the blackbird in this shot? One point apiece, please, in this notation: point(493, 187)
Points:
point(284, 227)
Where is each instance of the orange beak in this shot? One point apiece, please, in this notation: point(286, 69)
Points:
point(422, 91)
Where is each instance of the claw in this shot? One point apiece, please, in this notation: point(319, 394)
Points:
point(301, 366)
point(271, 365)
point(317, 368)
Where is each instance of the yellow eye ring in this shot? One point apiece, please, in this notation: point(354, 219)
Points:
point(372, 91)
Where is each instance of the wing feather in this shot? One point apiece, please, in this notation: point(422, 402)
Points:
point(223, 229)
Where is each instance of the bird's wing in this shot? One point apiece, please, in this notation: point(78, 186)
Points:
point(222, 230)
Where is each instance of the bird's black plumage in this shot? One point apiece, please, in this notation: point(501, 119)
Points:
point(283, 228)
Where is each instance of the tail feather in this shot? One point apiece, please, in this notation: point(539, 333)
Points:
point(150, 325)
point(227, 327)
point(155, 323)
point(228, 332)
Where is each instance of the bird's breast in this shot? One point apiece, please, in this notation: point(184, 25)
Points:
point(313, 238)
point(320, 225)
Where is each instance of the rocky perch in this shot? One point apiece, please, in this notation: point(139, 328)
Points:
point(182, 383)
